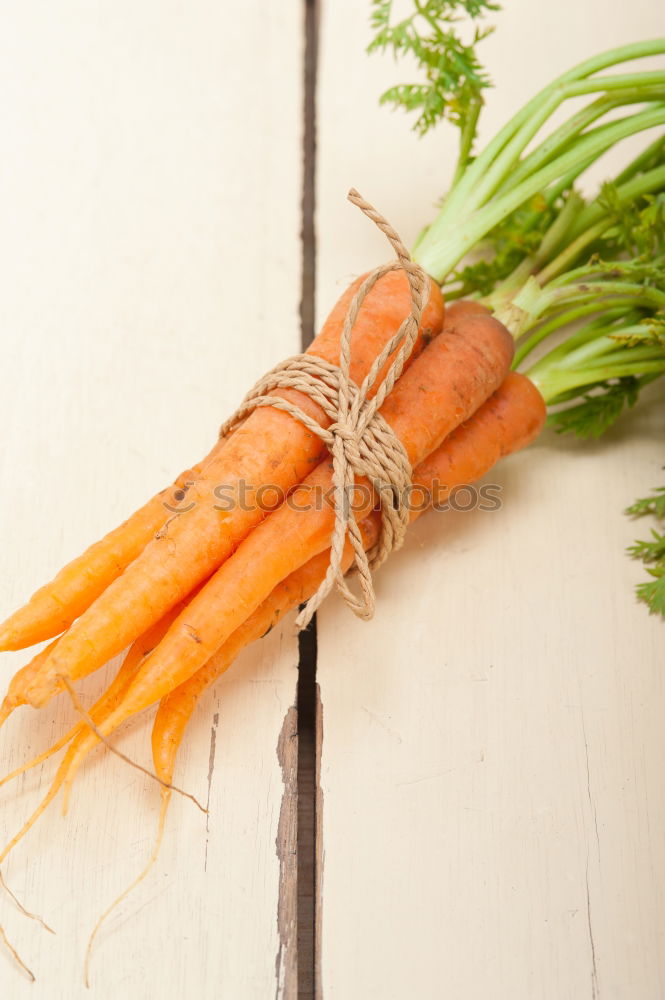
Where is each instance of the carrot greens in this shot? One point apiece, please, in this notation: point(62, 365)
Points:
point(579, 282)
point(651, 551)
point(454, 78)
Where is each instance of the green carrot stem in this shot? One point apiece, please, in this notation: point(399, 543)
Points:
point(442, 248)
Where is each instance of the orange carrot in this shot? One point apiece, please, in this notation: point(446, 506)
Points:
point(53, 608)
point(443, 387)
point(270, 447)
point(508, 420)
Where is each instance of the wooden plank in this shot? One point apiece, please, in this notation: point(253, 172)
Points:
point(492, 812)
point(150, 250)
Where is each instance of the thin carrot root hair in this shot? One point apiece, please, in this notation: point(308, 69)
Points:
point(161, 826)
point(106, 701)
point(104, 739)
point(68, 762)
point(40, 758)
point(26, 913)
point(15, 955)
point(43, 805)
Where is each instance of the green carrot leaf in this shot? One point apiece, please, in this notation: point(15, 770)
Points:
point(599, 410)
point(650, 549)
point(639, 228)
point(653, 504)
point(652, 592)
point(454, 78)
point(651, 552)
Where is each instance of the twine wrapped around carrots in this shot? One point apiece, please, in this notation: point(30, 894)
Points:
point(359, 440)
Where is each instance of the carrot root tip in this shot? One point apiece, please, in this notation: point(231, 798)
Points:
point(26, 913)
point(6, 710)
point(15, 955)
point(5, 639)
point(66, 795)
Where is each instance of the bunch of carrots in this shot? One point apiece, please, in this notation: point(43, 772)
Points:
point(186, 583)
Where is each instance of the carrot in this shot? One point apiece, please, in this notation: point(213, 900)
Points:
point(270, 447)
point(462, 320)
point(510, 419)
point(53, 608)
point(443, 387)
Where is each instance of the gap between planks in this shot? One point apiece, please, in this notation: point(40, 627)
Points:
point(298, 917)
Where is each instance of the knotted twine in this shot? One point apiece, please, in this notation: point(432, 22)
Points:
point(360, 441)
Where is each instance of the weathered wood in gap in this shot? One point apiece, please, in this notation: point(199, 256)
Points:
point(306, 881)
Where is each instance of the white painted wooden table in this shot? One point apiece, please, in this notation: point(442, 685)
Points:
point(493, 818)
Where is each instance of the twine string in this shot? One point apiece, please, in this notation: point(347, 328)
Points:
point(360, 441)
